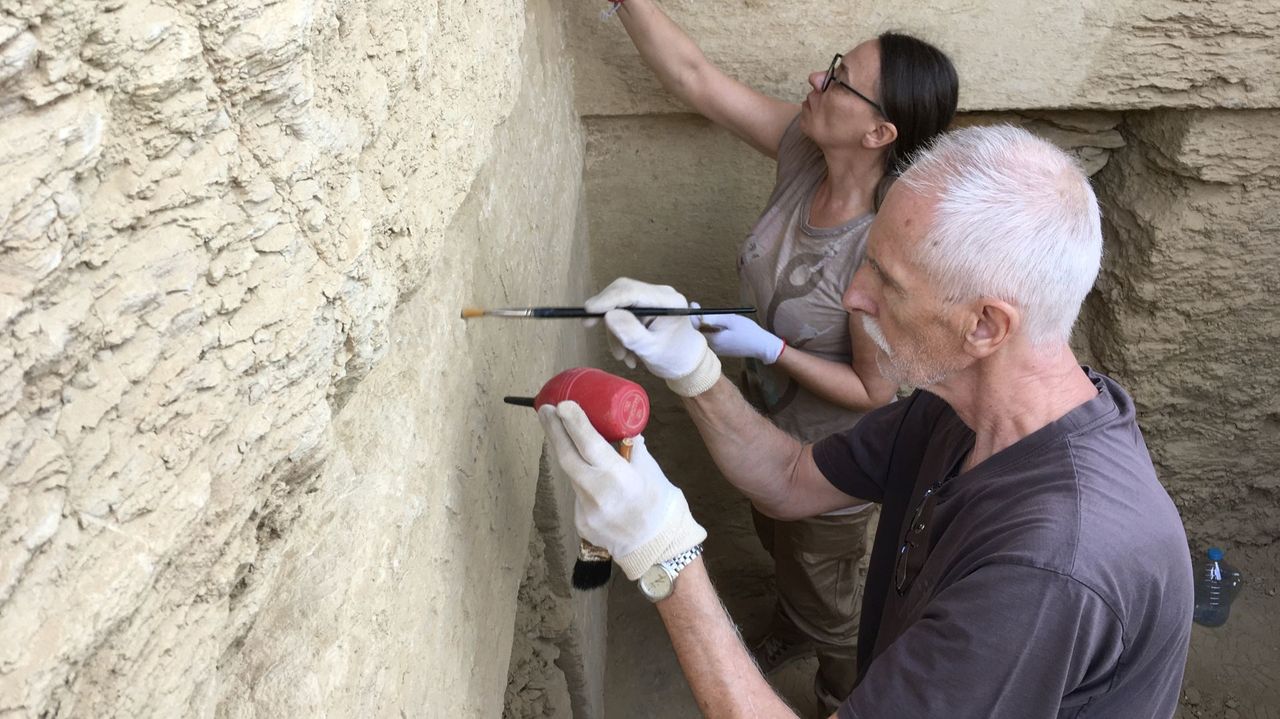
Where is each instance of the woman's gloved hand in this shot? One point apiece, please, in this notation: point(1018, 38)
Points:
point(738, 336)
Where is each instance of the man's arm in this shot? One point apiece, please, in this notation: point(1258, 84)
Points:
point(770, 467)
point(686, 73)
point(633, 511)
point(724, 679)
point(774, 470)
point(630, 509)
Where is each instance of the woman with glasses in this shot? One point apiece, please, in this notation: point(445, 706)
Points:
point(810, 367)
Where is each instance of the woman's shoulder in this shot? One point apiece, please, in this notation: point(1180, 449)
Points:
point(798, 156)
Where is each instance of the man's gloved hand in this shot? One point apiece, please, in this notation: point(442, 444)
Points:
point(738, 336)
point(670, 347)
point(630, 509)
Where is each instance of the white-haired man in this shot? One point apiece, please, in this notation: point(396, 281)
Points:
point(1027, 563)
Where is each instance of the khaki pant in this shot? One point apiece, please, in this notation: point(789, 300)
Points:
point(820, 564)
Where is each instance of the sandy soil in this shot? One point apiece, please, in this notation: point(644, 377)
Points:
point(1233, 671)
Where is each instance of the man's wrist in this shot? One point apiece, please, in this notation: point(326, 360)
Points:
point(659, 582)
point(701, 379)
point(679, 534)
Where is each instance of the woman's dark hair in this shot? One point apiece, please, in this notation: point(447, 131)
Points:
point(919, 90)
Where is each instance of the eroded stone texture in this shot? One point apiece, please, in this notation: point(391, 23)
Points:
point(536, 687)
point(558, 651)
point(219, 219)
point(583, 644)
point(1011, 55)
point(1186, 311)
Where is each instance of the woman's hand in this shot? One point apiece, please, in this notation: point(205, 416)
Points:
point(738, 336)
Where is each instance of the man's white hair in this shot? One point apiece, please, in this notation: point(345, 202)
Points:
point(1015, 220)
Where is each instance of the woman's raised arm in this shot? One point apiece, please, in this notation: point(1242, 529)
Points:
point(686, 73)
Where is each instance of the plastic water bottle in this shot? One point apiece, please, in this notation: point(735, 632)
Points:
point(1217, 583)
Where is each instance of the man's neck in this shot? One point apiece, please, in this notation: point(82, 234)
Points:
point(1005, 399)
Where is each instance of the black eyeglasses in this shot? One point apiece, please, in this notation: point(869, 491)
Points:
point(831, 77)
point(908, 565)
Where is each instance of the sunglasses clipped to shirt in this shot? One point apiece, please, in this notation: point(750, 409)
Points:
point(911, 554)
point(831, 78)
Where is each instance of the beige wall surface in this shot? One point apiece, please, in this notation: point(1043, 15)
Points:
point(252, 463)
point(1011, 54)
point(1187, 310)
point(671, 197)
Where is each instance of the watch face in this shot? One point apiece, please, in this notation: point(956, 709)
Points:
point(656, 583)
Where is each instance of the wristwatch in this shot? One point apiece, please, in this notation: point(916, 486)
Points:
point(658, 583)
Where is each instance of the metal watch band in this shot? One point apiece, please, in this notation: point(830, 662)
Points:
point(681, 560)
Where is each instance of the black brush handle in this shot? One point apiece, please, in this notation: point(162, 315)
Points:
point(565, 312)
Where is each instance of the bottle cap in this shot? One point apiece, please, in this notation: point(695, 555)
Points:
point(1215, 554)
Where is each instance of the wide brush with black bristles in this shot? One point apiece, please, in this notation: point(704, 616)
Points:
point(595, 564)
point(593, 568)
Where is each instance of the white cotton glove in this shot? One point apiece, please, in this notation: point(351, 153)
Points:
point(738, 336)
point(630, 509)
point(670, 347)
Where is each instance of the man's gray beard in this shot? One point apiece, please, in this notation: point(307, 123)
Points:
point(873, 331)
point(899, 369)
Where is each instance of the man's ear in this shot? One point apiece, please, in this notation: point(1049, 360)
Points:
point(882, 135)
point(991, 324)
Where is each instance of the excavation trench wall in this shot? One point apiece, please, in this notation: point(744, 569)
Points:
point(251, 462)
point(254, 464)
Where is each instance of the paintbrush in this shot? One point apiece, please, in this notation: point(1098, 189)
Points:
point(567, 312)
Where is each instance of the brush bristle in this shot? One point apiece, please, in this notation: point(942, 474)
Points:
point(469, 312)
point(591, 575)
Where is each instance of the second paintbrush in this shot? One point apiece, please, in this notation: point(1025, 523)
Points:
point(568, 312)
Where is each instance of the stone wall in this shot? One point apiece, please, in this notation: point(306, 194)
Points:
point(1011, 55)
point(1186, 310)
point(253, 463)
point(558, 657)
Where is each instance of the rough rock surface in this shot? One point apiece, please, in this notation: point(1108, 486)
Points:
point(1186, 311)
point(1058, 54)
point(536, 687)
point(557, 654)
point(252, 463)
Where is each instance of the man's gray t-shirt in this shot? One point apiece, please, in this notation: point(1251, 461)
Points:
point(1054, 578)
